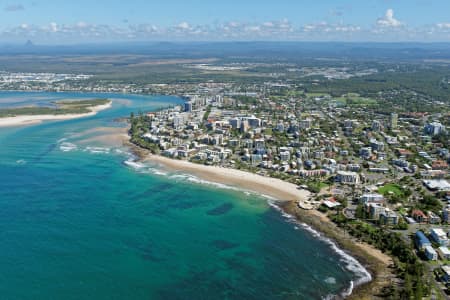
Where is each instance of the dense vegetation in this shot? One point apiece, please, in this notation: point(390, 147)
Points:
point(407, 264)
point(140, 125)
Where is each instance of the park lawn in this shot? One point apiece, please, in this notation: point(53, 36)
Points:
point(354, 99)
point(317, 186)
point(391, 187)
point(311, 95)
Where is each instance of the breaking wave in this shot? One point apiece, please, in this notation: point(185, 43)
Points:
point(350, 263)
point(67, 147)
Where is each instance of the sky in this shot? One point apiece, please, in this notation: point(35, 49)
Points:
point(81, 21)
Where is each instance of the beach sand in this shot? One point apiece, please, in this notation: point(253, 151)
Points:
point(33, 119)
point(105, 136)
point(275, 188)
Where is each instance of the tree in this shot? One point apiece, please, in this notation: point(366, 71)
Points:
point(360, 212)
point(407, 290)
point(418, 295)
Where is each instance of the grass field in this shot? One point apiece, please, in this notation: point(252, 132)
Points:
point(391, 188)
point(353, 99)
point(311, 95)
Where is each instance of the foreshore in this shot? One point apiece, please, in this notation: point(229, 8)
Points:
point(33, 119)
point(275, 188)
point(379, 264)
point(376, 262)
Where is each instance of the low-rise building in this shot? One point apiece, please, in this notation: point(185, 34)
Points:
point(444, 252)
point(430, 253)
point(437, 185)
point(446, 275)
point(419, 216)
point(439, 236)
point(344, 177)
point(285, 155)
point(446, 215)
point(388, 217)
point(371, 197)
point(365, 152)
point(433, 218)
point(434, 128)
point(375, 210)
point(421, 240)
point(376, 145)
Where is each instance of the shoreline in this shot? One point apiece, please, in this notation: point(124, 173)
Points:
point(34, 119)
point(375, 262)
point(275, 188)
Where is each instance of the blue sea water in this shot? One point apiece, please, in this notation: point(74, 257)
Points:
point(80, 220)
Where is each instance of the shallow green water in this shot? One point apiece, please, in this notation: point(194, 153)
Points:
point(76, 222)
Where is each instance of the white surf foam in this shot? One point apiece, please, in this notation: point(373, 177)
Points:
point(350, 263)
point(97, 150)
point(66, 147)
point(330, 280)
point(135, 165)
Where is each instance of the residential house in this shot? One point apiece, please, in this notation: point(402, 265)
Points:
point(419, 216)
point(388, 217)
point(430, 253)
point(439, 236)
point(421, 240)
point(444, 252)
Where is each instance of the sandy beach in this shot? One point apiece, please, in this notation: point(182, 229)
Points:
point(275, 188)
point(33, 119)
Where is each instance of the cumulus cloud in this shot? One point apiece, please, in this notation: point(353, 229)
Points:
point(443, 25)
point(389, 20)
point(324, 27)
point(282, 30)
point(14, 7)
point(184, 26)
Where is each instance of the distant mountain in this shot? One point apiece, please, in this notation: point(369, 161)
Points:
point(29, 44)
point(251, 50)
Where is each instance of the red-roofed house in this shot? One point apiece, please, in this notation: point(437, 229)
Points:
point(419, 216)
point(439, 165)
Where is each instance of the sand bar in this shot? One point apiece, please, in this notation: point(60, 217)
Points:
point(33, 119)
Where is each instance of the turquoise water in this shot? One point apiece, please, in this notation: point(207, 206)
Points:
point(76, 222)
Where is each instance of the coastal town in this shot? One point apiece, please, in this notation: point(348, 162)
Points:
point(383, 171)
point(260, 150)
point(374, 164)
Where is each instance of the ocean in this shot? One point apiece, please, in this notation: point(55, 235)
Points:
point(80, 219)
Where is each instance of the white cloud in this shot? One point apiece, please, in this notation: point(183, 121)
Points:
point(385, 29)
point(184, 26)
point(53, 27)
point(253, 28)
point(443, 25)
point(82, 24)
point(324, 27)
point(388, 20)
